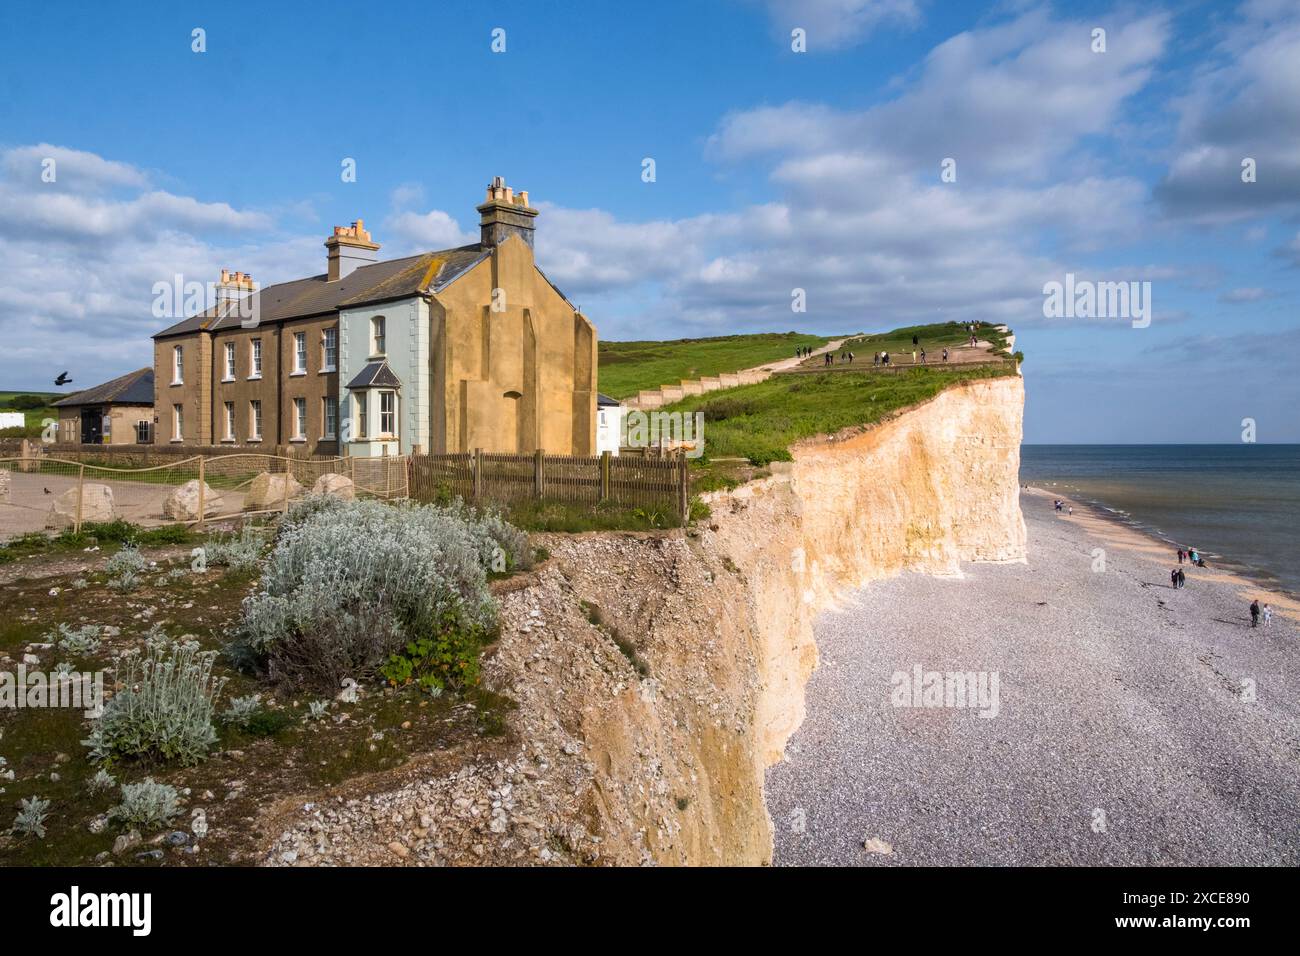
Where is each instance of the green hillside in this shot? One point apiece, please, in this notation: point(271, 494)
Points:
point(628, 367)
point(14, 402)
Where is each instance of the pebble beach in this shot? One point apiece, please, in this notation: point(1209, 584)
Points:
point(1132, 724)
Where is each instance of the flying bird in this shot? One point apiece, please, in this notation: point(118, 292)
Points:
point(62, 379)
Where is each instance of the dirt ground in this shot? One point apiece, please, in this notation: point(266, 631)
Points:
point(32, 495)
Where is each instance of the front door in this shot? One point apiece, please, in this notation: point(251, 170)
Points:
point(92, 424)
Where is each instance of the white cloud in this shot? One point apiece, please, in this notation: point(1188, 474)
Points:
point(1243, 105)
point(836, 24)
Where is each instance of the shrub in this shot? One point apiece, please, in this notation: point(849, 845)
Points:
point(101, 782)
point(78, 641)
point(241, 710)
point(239, 553)
point(145, 804)
point(31, 817)
point(165, 709)
point(24, 403)
point(318, 709)
point(350, 584)
point(124, 568)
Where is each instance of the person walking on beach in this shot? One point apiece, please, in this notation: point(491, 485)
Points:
point(1173, 579)
point(1254, 613)
point(1268, 615)
point(1182, 579)
point(1181, 554)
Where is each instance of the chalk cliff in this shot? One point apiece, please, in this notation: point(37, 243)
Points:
point(658, 675)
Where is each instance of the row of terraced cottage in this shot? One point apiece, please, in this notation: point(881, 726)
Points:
point(446, 351)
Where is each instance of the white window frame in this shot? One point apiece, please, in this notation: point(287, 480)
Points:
point(230, 363)
point(363, 414)
point(326, 337)
point(178, 423)
point(299, 419)
point(378, 335)
point(178, 365)
point(228, 417)
point(299, 353)
point(254, 358)
point(390, 432)
point(329, 429)
point(255, 419)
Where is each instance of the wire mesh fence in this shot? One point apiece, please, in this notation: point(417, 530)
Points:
point(40, 492)
point(45, 493)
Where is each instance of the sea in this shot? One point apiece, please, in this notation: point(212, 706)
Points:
point(1239, 505)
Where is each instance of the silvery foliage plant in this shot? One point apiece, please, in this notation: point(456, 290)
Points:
point(349, 583)
point(146, 804)
point(165, 707)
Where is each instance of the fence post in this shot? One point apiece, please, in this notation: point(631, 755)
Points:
point(539, 476)
point(81, 490)
point(203, 487)
point(604, 475)
point(478, 473)
point(683, 489)
point(288, 477)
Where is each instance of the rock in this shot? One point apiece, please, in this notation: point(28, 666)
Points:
point(875, 845)
point(150, 855)
point(336, 486)
point(266, 492)
point(183, 503)
point(399, 849)
point(96, 505)
point(98, 824)
point(127, 841)
point(178, 838)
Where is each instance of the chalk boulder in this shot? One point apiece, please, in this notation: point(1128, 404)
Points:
point(96, 505)
point(336, 486)
point(267, 491)
point(183, 503)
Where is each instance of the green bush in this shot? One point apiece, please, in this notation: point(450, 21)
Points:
point(448, 657)
point(165, 707)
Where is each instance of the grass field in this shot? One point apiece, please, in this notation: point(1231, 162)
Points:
point(34, 415)
point(628, 367)
point(930, 338)
point(760, 422)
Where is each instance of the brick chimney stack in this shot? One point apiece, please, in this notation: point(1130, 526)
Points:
point(233, 285)
point(349, 248)
point(505, 213)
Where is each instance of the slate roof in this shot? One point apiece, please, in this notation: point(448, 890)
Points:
point(376, 375)
point(133, 388)
point(605, 401)
point(379, 282)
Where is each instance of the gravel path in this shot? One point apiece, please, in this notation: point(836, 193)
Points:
point(1124, 731)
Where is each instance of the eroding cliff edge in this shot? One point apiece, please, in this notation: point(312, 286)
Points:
point(657, 676)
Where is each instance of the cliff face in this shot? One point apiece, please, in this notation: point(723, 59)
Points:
point(658, 675)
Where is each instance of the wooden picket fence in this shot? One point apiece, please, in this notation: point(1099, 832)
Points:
point(486, 476)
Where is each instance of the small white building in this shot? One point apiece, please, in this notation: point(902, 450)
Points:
point(609, 424)
point(12, 420)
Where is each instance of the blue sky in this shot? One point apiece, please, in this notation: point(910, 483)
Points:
point(774, 169)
